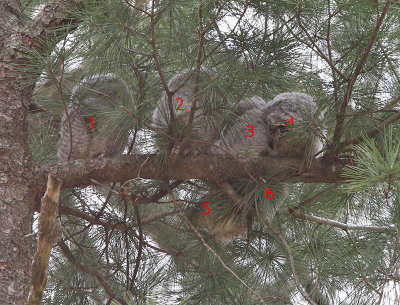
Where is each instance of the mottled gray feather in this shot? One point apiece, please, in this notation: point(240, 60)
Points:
point(99, 93)
point(204, 132)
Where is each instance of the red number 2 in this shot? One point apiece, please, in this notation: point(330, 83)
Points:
point(180, 104)
point(207, 208)
point(251, 130)
point(92, 121)
point(290, 125)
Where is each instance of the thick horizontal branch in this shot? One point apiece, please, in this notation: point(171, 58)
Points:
point(341, 225)
point(81, 173)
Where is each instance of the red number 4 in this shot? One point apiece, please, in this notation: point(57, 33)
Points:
point(180, 104)
point(290, 123)
point(207, 208)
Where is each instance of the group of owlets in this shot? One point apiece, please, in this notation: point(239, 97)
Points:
point(246, 130)
point(256, 127)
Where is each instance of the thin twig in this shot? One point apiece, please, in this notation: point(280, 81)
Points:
point(312, 198)
point(103, 282)
point(290, 256)
point(340, 225)
point(340, 117)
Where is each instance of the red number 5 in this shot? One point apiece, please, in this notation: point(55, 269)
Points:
point(180, 104)
point(251, 130)
point(207, 208)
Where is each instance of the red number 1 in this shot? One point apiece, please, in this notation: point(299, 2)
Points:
point(180, 104)
point(290, 125)
point(92, 121)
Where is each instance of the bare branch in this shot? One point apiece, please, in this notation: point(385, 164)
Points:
point(340, 225)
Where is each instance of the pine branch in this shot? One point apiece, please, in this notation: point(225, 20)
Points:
point(113, 224)
point(81, 173)
point(103, 282)
point(128, 198)
point(340, 117)
point(283, 241)
point(213, 251)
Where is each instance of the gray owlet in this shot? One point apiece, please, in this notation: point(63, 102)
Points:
point(204, 131)
point(249, 135)
point(278, 113)
point(94, 97)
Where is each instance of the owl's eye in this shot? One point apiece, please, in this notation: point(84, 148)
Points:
point(283, 128)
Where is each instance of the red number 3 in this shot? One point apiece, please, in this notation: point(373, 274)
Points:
point(180, 104)
point(207, 208)
point(251, 130)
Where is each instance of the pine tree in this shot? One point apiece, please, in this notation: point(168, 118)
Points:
point(316, 229)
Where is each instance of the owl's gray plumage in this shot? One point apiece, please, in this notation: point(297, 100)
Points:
point(251, 103)
point(271, 136)
point(92, 97)
point(279, 111)
point(223, 230)
point(203, 131)
point(239, 139)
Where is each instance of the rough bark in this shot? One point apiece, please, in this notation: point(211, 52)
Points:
point(17, 195)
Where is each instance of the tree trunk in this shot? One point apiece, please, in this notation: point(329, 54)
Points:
point(17, 192)
point(16, 197)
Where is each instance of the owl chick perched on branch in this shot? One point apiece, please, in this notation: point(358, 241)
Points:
point(249, 136)
point(298, 141)
point(263, 129)
point(204, 131)
point(91, 100)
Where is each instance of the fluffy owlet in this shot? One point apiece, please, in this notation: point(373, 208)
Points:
point(204, 131)
point(249, 135)
point(278, 113)
point(94, 98)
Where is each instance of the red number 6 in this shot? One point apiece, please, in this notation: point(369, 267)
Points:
point(268, 192)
